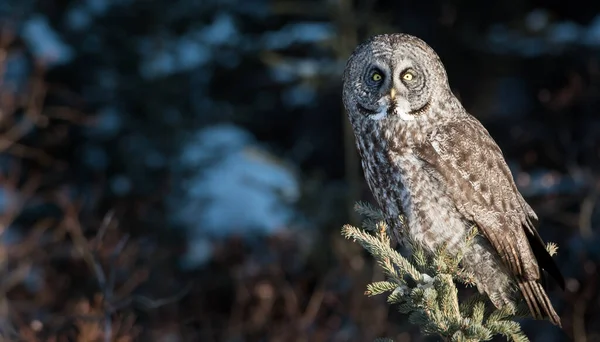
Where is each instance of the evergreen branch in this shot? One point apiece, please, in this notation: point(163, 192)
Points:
point(552, 248)
point(370, 224)
point(381, 250)
point(477, 312)
point(380, 287)
point(430, 298)
point(368, 210)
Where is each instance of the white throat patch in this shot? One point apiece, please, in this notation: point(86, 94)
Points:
point(402, 110)
point(381, 113)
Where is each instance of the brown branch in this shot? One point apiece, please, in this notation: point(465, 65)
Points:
point(347, 41)
point(314, 304)
point(27, 152)
point(587, 210)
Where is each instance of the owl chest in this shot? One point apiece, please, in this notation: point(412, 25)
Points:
point(401, 186)
point(381, 176)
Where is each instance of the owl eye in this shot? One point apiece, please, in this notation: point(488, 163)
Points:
point(408, 75)
point(376, 76)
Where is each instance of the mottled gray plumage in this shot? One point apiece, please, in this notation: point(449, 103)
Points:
point(425, 157)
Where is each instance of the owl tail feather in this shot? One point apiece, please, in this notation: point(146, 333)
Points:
point(538, 302)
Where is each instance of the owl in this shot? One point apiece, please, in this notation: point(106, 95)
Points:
point(425, 157)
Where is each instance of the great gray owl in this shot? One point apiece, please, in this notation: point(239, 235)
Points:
point(425, 157)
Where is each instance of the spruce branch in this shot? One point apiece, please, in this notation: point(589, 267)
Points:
point(424, 286)
point(380, 287)
point(368, 210)
point(552, 248)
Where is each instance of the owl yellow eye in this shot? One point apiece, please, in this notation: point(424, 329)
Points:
point(408, 76)
point(376, 77)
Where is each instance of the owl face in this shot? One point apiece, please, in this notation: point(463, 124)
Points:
point(392, 77)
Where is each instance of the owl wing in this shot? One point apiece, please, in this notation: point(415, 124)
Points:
point(466, 161)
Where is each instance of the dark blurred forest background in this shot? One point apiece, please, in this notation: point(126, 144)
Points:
point(180, 170)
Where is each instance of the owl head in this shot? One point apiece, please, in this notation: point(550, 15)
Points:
point(392, 77)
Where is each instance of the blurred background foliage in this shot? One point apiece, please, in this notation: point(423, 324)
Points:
point(180, 170)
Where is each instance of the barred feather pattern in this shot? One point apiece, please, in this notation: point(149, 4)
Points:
point(444, 172)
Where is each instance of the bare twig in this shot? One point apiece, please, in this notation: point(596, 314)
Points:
point(348, 39)
point(314, 304)
point(149, 303)
point(580, 307)
point(587, 210)
point(106, 223)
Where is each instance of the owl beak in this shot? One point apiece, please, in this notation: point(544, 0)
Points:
point(393, 93)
